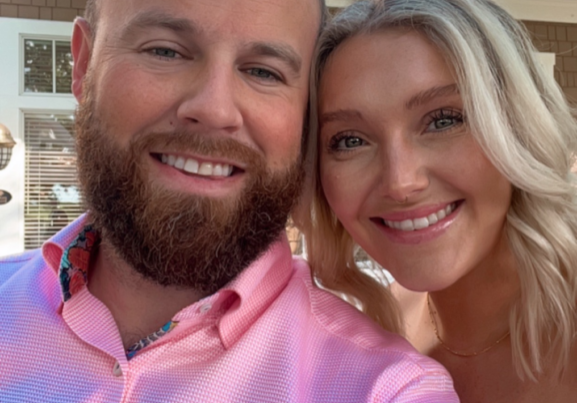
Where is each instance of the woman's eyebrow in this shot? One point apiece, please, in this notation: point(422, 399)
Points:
point(425, 96)
point(340, 115)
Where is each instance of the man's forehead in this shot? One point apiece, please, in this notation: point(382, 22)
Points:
point(254, 9)
point(277, 28)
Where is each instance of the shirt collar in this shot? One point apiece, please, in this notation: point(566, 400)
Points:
point(54, 248)
point(252, 291)
point(257, 287)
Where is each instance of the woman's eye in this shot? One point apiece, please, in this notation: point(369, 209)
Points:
point(443, 123)
point(350, 142)
point(444, 120)
point(346, 143)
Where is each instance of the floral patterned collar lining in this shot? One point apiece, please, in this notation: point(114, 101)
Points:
point(73, 275)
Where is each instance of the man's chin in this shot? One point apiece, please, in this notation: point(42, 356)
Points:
point(175, 229)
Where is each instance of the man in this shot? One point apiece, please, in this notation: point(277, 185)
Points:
point(178, 284)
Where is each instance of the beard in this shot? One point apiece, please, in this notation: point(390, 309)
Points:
point(174, 238)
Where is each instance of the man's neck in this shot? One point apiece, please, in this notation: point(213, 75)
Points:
point(139, 306)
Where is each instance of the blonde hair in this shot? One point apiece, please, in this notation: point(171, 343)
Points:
point(522, 121)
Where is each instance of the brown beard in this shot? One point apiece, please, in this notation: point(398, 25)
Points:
point(169, 237)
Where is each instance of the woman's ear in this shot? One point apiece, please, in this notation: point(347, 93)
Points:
point(81, 52)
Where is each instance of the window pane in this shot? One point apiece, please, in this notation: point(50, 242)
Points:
point(52, 195)
point(37, 66)
point(63, 68)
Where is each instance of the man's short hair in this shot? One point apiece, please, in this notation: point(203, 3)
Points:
point(91, 13)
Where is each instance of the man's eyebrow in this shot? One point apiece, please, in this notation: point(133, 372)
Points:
point(340, 115)
point(157, 19)
point(283, 52)
point(425, 96)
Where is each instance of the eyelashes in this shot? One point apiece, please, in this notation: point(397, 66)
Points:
point(345, 141)
point(440, 122)
point(444, 119)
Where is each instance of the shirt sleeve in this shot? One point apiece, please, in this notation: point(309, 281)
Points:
point(431, 387)
point(414, 378)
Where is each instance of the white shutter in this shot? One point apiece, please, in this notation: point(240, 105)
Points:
point(52, 195)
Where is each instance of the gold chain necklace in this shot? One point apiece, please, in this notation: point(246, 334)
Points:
point(449, 349)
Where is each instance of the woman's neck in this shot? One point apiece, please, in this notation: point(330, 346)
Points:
point(474, 312)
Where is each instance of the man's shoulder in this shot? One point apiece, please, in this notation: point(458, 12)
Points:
point(340, 336)
point(341, 320)
point(9, 265)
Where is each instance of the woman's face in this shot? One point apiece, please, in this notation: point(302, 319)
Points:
point(398, 163)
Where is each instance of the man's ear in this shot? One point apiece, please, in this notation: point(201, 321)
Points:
point(81, 52)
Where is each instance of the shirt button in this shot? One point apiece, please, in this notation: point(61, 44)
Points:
point(205, 308)
point(117, 370)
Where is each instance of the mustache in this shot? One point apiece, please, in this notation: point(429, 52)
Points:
point(194, 142)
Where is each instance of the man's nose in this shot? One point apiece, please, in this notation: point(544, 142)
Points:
point(212, 100)
point(404, 173)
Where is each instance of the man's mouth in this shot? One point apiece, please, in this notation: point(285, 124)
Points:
point(421, 222)
point(193, 166)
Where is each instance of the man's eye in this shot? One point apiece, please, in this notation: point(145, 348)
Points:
point(263, 74)
point(164, 53)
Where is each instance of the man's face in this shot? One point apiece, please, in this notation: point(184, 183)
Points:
point(190, 122)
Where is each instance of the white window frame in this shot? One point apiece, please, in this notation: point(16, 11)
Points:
point(54, 39)
point(13, 104)
point(338, 3)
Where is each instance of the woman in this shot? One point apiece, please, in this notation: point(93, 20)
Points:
point(443, 149)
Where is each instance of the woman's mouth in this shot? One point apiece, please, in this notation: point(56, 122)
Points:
point(421, 223)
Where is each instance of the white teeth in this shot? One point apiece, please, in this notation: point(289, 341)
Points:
point(217, 171)
point(407, 225)
point(179, 164)
point(191, 166)
point(422, 222)
point(194, 167)
point(205, 169)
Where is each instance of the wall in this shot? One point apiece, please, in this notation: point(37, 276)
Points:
point(560, 39)
point(55, 10)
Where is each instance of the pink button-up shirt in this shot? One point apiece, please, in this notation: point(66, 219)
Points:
point(269, 336)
